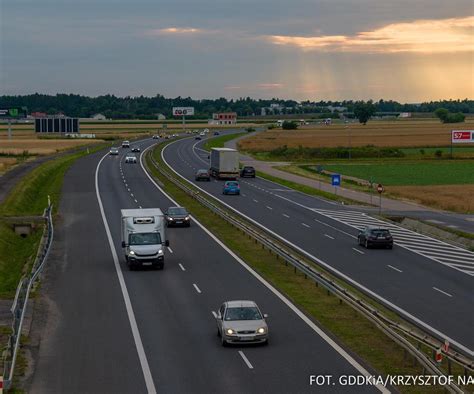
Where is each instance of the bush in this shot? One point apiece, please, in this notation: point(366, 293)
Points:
point(250, 129)
point(422, 151)
point(271, 126)
point(289, 125)
point(439, 153)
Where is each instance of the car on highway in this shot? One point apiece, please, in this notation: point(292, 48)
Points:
point(202, 175)
point(131, 159)
point(205, 131)
point(216, 133)
point(125, 144)
point(114, 151)
point(241, 322)
point(247, 171)
point(198, 137)
point(135, 149)
point(374, 236)
point(177, 216)
point(231, 187)
point(202, 134)
point(155, 137)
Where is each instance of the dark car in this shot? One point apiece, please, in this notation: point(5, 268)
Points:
point(198, 137)
point(177, 216)
point(216, 133)
point(202, 175)
point(135, 149)
point(373, 236)
point(155, 137)
point(247, 171)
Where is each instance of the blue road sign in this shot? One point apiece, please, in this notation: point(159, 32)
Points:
point(336, 179)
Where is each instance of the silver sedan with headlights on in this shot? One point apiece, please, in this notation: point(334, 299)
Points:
point(177, 216)
point(241, 322)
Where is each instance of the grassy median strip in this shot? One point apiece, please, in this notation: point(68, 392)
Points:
point(354, 331)
point(219, 142)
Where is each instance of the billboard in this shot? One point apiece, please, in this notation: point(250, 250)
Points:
point(13, 112)
point(462, 136)
point(183, 111)
point(57, 125)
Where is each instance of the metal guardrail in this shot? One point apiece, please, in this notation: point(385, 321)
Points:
point(21, 300)
point(396, 331)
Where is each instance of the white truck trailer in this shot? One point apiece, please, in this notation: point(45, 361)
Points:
point(144, 237)
point(224, 163)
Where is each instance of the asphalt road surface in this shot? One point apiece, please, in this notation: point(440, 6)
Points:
point(428, 281)
point(110, 330)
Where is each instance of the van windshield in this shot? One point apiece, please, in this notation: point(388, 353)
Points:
point(144, 239)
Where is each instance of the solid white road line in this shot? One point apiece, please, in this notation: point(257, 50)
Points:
point(402, 311)
point(443, 292)
point(181, 266)
point(150, 385)
point(170, 250)
point(285, 215)
point(358, 251)
point(197, 288)
point(327, 235)
point(394, 268)
point(306, 225)
point(279, 295)
point(246, 360)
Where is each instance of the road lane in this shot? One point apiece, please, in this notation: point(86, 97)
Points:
point(411, 292)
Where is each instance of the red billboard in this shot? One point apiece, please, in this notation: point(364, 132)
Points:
point(462, 136)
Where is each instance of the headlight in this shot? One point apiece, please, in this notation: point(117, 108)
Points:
point(160, 251)
point(132, 252)
point(261, 330)
point(186, 218)
point(229, 331)
point(171, 219)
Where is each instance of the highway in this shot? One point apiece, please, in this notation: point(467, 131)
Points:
point(426, 280)
point(110, 330)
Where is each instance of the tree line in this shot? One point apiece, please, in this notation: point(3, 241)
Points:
point(142, 107)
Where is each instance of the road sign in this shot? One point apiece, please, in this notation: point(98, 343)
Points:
point(446, 346)
point(183, 111)
point(380, 188)
point(462, 136)
point(336, 179)
point(438, 356)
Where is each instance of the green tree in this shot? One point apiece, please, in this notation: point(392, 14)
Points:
point(289, 125)
point(442, 114)
point(363, 111)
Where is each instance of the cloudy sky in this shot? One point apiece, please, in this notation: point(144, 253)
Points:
point(405, 50)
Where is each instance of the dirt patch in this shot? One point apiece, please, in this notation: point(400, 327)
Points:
point(6, 163)
point(457, 198)
point(382, 134)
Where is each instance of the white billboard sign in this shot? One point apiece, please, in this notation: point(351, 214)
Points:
point(183, 111)
point(462, 136)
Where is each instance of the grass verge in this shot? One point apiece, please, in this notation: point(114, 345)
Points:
point(219, 142)
point(308, 190)
point(30, 195)
point(353, 330)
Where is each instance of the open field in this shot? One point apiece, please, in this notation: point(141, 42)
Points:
point(457, 198)
point(428, 133)
point(123, 126)
point(35, 146)
point(421, 173)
